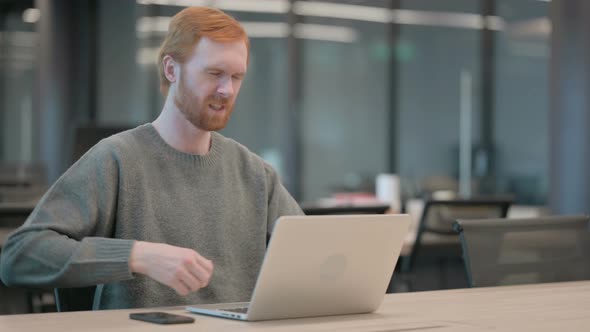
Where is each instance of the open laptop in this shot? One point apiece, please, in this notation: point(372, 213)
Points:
point(320, 266)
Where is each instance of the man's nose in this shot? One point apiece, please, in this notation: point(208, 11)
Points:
point(225, 88)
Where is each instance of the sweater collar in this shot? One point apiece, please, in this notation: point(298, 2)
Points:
point(206, 159)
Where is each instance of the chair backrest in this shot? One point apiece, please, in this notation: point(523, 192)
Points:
point(520, 251)
point(438, 216)
point(74, 299)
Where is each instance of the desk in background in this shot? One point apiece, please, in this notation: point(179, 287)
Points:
point(12, 215)
point(538, 308)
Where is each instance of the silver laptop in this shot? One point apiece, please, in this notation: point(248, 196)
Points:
point(320, 266)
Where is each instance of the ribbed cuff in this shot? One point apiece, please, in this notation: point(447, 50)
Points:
point(113, 255)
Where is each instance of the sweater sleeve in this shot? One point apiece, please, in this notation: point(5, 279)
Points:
point(66, 241)
point(280, 202)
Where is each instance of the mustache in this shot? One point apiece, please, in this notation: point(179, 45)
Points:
point(217, 99)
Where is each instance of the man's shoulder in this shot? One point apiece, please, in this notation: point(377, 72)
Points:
point(239, 151)
point(124, 143)
point(235, 147)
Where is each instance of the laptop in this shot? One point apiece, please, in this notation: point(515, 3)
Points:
point(322, 266)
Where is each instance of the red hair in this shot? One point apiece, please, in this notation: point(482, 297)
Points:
point(188, 27)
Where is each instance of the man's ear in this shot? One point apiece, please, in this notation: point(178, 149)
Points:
point(170, 68)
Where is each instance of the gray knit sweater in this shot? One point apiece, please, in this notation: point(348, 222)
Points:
point(134, 186)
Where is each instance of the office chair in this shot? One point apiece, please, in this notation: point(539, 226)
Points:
point(18, 300)
point(522, 251)
point(436, 225)
point(74, 299)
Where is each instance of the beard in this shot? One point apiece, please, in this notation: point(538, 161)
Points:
point(197, 111)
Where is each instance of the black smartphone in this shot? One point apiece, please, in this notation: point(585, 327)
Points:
point(161, 318)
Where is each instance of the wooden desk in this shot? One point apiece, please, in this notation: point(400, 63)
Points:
point(544, 307)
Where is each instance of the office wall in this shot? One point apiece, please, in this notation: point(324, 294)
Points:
point(345, 109)
point(350, 94)
point(570, 108)
point(521, 112)
point(431, 60)
point(120, 94)
point(18, 65)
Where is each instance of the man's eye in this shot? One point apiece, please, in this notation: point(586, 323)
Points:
point(215, 73)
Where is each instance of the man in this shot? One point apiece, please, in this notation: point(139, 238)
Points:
point(168, 213)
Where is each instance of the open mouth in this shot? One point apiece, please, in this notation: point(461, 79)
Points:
point(217, 107)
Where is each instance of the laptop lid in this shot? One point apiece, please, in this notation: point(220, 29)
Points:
point(325, 265)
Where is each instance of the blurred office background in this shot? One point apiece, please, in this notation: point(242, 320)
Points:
point(337, 92)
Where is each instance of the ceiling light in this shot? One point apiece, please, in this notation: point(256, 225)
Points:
point(344, 11)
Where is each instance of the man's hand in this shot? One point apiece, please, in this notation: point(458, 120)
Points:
point(182, 269)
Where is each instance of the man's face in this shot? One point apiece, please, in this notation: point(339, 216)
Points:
point(209, 83)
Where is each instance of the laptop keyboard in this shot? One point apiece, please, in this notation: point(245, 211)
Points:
point(237, 310)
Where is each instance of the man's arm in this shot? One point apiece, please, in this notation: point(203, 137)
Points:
point(280, 202)
point(181, 269)
point(66, 241)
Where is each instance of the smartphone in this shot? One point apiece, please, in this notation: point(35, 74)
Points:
point(161, 318)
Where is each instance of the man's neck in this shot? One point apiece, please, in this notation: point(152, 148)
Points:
point(179, 133)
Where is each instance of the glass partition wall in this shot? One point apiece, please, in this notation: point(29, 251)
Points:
point(337, 92)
